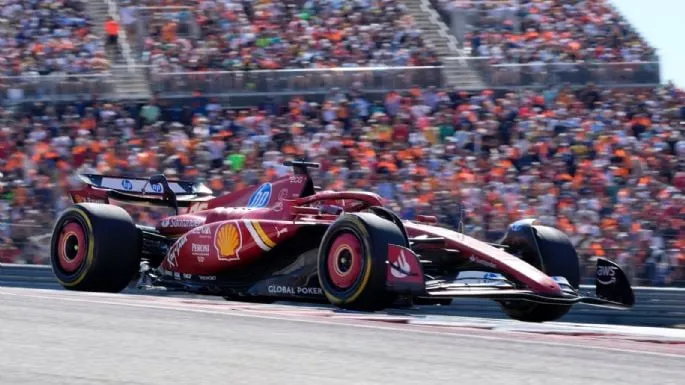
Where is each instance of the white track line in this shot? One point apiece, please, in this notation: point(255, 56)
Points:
point(232, 313)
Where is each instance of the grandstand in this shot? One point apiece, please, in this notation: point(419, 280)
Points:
point(247, 49)
point(508, 108)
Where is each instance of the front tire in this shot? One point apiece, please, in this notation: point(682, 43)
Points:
point(551, 251)
point(95, 247)
point(352, 261)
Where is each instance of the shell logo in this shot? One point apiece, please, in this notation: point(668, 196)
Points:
point(228, 241)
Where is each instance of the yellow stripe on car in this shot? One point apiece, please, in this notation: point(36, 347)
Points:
point(255, 236)
point(262, 234)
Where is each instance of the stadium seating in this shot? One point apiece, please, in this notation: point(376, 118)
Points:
point(528, 31)
point(230, 35)
point(47, 37)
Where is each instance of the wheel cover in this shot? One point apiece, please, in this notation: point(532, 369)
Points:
point(344, 262)
point(71, 247)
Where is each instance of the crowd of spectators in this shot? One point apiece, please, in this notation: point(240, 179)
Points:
point(551, 31)
point(606, 166)
point(248, 34)
point(48, 37)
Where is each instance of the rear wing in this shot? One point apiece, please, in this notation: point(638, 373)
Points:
point(143, 186)
point(155, 191)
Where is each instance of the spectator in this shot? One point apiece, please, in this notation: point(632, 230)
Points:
point(112, 32)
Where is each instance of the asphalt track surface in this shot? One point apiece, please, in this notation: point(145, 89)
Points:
point(52, 337)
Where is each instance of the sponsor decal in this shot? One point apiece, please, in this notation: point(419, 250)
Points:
point(283, 195)
point(200, 251)
point(172, 256)
point(606, 275)
point(259, 236)
point(137, 185)
point(481, 277)
point(202, 230)
point(80, 199)
point(200, 248)
point(261, 196)
point(400, 268)
point(281, 231)
point(277, 289)
point(207, 277)
point(198, 206)
point(483, 262)
point(126, 185)
point(228, 240)
point(181, 222)
point(187, 276)
point(177, 275)
point(492, 276)
point(296, 179)
point(157, 187)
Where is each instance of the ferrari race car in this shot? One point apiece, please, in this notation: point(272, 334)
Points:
point(287, 240)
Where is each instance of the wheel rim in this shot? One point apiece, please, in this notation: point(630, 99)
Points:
point(71, 247)
point(344, 262)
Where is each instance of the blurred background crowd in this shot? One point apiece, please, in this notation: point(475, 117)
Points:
point(42, 37)
point(229, 35)
point(606, 165)
point(552, 31)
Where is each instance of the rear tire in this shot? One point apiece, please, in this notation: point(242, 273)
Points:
point(95, 247)
point(556, 257)
point(352, 259)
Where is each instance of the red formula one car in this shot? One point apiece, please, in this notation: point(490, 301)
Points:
point(284, 240)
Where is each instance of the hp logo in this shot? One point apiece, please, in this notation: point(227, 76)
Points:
point(261, 196)
point(127, 185)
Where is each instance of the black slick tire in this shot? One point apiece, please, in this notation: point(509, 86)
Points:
point(371, 234)
point(95, 247)
point(557, 257)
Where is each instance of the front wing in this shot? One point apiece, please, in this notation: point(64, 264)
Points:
point(528, 295)
point(612, 289)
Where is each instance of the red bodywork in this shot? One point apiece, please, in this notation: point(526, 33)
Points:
point(236, 229)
